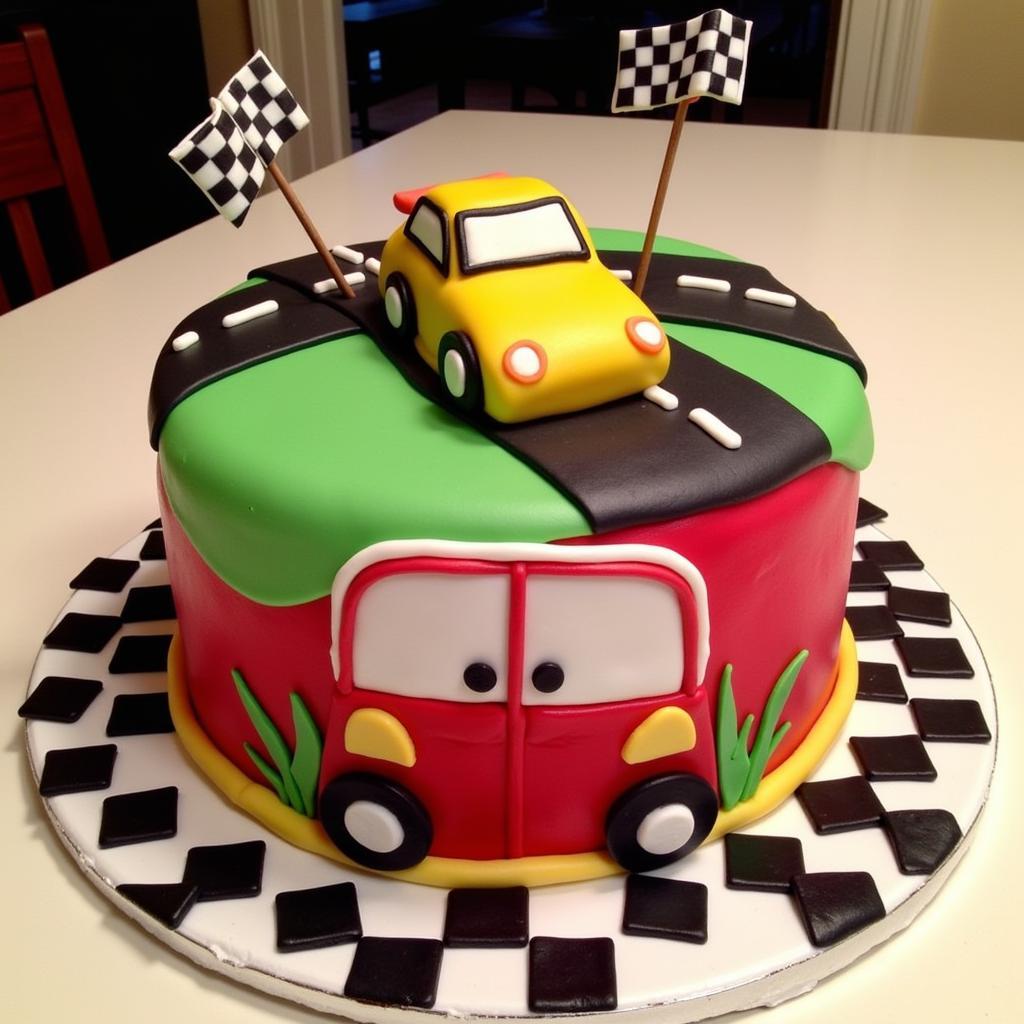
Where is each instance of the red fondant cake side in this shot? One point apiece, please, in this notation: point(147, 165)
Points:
point(776, 570)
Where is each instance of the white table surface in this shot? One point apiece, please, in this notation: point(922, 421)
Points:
point(913, 245)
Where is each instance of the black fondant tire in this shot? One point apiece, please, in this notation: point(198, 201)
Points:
point(659, 809)
point(349, 803)
point(400, 308)
point(459, 370)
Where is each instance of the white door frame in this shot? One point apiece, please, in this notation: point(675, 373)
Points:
point(305, 41)
point(878, 64)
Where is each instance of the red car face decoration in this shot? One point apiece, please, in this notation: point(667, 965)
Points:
point(515, 700)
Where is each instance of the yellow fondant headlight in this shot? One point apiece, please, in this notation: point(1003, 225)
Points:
point(525, 362)
point(645, 334)
point(374, 733)
point(663, 733)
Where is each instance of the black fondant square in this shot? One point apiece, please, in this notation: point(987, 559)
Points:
point(139, 817)
point(395, 972)
point(167, 902)
point(893, 758)
point(835, 904)
point(867, 513)
point(149, 604)
point(492, 918)
point(921, 840)
point(865, 575)
point(78, 631)
point(141, 654)
point(879, 680)
point(316, 918)
point(77, 769)
point(60, 699)
point(572, 975)
point(153, 549)
point(840, 805)
point(155, 525)
point(950, 721)
point(139, 714)
point(666, 908)
point(763, 863)
point(891, 555)
point(872, 622)
point(107, 574)
point(942, 657)
point(920, 606)
point(229, 872)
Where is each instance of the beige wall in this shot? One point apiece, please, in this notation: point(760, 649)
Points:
point(227, 39)
point(972, 73)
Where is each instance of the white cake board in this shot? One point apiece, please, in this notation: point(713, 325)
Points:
point(757, 953)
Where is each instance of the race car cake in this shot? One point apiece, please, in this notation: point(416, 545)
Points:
point(498, 573)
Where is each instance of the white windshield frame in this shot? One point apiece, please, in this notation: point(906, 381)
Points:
point(528, 222)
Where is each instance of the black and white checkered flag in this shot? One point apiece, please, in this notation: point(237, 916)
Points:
point(263, 107)
point(705, 56)
point(254, 116)
point(219, 160)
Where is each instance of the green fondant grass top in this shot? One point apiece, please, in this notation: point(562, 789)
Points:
point(249, 282)
point(632, 241)
point(283, 471)
point(280, 473)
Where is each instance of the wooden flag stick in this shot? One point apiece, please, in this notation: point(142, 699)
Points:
point(659, 196)
point(300, 211)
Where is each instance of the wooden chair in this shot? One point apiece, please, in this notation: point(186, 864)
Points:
point(39, 151)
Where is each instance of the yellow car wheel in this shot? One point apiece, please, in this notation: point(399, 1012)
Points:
point(400, 308)
point(459, 370)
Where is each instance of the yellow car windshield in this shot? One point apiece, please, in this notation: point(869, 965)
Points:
point(537, 232)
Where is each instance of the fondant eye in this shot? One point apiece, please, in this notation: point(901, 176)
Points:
point(480, 677)
point(548, 677)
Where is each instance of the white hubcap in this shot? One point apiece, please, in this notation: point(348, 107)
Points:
point(666, 829)
point(373, 826)
point(454, 370)
point(393, 307)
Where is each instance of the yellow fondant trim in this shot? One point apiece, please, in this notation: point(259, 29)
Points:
point(372, 732)
point(662, 733)
point(446, 872)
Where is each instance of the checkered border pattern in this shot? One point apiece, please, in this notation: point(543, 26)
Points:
point(218, 159)
point(705, 56)
point(405, 971)
point(263, 107)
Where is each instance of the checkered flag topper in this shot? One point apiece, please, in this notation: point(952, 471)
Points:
point(219, 160)
point(253, 117)
point(705, 56)
point(263, 107)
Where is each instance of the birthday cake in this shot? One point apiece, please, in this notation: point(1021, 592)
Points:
point(507, 553)
point(469, 599)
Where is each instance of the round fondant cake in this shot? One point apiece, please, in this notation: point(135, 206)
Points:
point(496, 574)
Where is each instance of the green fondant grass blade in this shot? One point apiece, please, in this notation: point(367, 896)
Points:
point(731, 747)
point(272, 739)
point(305, 765)
point(268, 773)
point(779, 737)
point(768, 739)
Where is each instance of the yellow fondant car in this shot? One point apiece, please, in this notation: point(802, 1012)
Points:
point(496, 282)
